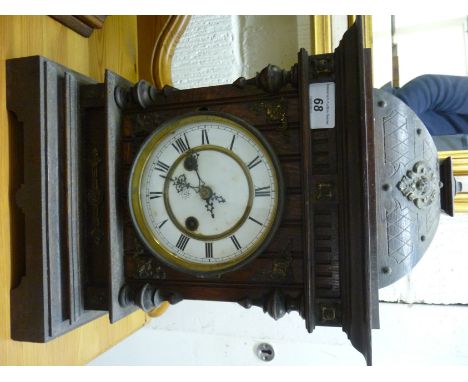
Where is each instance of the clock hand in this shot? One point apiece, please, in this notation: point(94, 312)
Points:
point(218, 198)
point(200, 181)
point(191, 164)
point(180, 183)
point(205, 192)
point(209, 202)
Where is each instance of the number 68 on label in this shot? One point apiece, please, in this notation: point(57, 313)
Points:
point(322, 105)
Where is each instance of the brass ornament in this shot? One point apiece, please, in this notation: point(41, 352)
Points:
point(420, 185)
point(275, 112)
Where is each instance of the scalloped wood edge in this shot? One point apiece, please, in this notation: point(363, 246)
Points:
point(159, 310)
point(164, 47)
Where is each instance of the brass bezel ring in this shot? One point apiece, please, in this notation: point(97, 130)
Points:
point(248, 207)
point(135, 201)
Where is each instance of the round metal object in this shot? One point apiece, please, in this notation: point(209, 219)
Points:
point(265, 352)
point(191, 223)
point(154, 244)
point(190, 163)
point(408, 204)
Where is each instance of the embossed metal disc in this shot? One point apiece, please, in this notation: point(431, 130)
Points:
point(408, 187)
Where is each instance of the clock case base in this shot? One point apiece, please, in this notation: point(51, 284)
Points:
point(67, 234)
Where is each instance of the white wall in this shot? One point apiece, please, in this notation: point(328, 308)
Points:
point(208, 53)
point(441, 275)
point(381, 50)
point(434, 44)
point(209, 333)
point(218, 49)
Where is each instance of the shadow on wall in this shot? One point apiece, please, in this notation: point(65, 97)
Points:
point(219, 49)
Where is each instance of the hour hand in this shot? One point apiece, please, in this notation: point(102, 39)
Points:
point(209, 202)
point(191, 164)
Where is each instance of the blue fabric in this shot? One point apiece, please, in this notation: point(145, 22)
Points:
point(451, 142)
point(440, 101)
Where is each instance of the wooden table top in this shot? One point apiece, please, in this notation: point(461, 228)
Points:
point(113, 47)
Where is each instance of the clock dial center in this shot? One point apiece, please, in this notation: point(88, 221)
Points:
point(213, 184)
point(206, 192)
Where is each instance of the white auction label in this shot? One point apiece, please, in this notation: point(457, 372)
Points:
point(322, 105)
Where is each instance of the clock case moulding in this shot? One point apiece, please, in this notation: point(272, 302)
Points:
point(76, 246)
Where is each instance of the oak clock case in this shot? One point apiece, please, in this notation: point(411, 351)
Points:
point(219, 193)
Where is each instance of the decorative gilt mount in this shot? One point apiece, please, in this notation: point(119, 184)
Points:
point(420, 185)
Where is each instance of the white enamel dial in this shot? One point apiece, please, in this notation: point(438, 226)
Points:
point(204, 193)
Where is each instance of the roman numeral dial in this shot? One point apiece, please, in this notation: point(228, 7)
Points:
point(254, 162)
point(205, 193)
point(205, 139)
point(263, 191)
point(181, 144)
point(235, 242)
point(182, 242)
point(155, 195)
point(161, 166)
point(209, 250)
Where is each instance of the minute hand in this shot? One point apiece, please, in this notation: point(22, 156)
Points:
point(206, 193)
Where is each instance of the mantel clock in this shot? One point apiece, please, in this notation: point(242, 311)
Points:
point(297, 190)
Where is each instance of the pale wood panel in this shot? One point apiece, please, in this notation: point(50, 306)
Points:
point(158, 37)
point(112, 47)
point(150, 29)
point(115, 47)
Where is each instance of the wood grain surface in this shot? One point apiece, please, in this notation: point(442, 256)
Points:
point(113, 47)
point(158, 37)
point(150, 29)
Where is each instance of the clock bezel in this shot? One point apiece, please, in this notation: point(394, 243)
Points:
point(134, 200)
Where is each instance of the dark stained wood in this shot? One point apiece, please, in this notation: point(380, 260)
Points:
point(83, 25)
point(354, 137)
point(324, 242)
point(306, 197)
point(327, 235)
point(249, 104)
point(319, 262)
point(48, 301)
